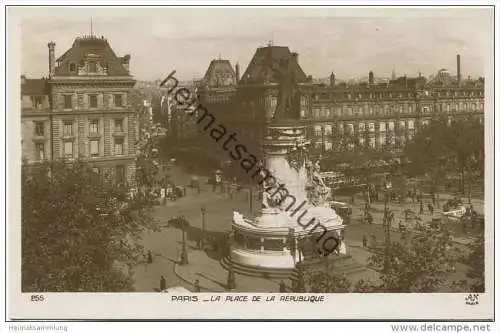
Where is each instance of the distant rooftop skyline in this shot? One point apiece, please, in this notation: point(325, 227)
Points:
point(160, 40)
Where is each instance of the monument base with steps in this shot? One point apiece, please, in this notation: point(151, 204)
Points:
point(343, 264)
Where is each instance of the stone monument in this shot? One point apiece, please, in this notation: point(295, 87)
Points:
point(295, 221)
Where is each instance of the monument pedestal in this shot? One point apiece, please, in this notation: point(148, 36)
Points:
point(291, 223)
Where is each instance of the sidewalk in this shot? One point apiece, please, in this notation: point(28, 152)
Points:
point(212, 276)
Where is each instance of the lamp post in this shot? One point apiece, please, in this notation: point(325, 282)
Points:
point(292, 244)
point(387, 229)
point(231, 281)
point(204, 231)
point(184, 254)
point(251, 198)
point(301, 286)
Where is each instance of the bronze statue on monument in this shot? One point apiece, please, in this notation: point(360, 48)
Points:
point(288, 96)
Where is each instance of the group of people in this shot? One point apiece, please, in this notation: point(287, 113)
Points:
point(225, 186)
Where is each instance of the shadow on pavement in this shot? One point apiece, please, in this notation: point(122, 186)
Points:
point(223, 285)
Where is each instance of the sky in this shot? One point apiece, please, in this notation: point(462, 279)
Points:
point(348, 41)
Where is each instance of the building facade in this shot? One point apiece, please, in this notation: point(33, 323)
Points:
point(378, 114)
point(89, 116)
point(35, 120)
point(386, 116)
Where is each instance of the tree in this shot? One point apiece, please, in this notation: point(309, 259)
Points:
point(442, 146)
point(321, 281)
point(79, 232)
point(429, 152)
point(466, 141)
point(475, 262)
point(418, 264)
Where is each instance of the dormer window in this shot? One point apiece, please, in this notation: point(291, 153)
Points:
point(92, 67)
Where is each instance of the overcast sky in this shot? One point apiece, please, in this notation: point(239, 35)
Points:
point(348, 41)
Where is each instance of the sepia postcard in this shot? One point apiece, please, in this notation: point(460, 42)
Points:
point(299, 163)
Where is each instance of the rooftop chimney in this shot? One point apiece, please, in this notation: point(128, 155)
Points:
point(370, 78)
point(52, 58)
point(332, 80)
point(126, 62)
point(295, 57)
point(459, 75)
point(237, 71)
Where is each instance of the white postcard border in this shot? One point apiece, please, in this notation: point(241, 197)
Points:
point(66, 306)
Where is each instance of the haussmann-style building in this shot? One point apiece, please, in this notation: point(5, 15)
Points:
point(81, 111)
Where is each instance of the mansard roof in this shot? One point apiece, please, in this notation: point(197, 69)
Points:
point(34, 87)
point(97, 47)
point(261, 66)
point(220, 72)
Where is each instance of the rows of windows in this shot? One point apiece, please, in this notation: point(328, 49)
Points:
point(93, 101)
point(393, 94)
point(373, 142)
point(94, 143)
point(328, 129)
point(386, 110)
point(68, 127)
point(94, 148)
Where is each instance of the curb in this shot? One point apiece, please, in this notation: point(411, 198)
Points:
point(192, 283)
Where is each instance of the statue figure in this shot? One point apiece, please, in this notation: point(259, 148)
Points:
point(318, 192)
point(288, 91)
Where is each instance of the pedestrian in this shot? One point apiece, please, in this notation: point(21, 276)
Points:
point(282, 287)
point(198, 187)
point(365, 241)
point(197, 288)
point(431, 209)
point(150, 257)
point(369, 218)
point(433, 199)
point(421, 207)
point(163, 195)
point(163, 283)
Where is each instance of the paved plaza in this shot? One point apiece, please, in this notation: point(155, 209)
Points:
point(205, 267)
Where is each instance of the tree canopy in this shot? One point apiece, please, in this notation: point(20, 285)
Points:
point(447, 145)
point(79, 232)
point(418, 263)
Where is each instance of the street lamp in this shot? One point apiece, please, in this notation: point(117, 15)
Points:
point(301, 286)
point(251, 198)
point(203, 211)
point(184, 254)
point(387, 226)
point(231, 281)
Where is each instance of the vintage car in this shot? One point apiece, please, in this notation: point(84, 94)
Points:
point(343, 209)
